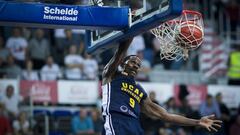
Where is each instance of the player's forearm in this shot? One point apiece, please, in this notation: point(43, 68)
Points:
point(116, 60)
point(123, 47)
point(162, 114)
point(182, 120)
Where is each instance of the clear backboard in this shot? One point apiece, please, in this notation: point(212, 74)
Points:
point(143, 16)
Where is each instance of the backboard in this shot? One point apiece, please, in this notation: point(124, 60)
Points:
point(143, 16)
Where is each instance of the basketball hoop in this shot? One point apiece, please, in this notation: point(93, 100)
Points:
point(178, 36)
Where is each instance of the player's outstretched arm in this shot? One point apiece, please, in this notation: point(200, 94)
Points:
point(155, 111)
point(110, 69)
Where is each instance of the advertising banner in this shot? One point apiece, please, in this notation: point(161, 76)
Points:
point(77, 92)
point(39, 91)
point(163, 91)
point(196, 94)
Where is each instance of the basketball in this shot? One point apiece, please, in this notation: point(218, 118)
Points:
point(190, 34)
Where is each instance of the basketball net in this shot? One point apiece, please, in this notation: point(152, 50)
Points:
point(172, 45)
point(96, 2)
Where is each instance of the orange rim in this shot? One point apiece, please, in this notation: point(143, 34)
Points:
point(184, 12)
point(192, 12)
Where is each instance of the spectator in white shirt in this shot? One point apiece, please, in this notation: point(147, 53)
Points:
point(17, 46)
point(90, 67)
point(74, 64)
point(28, 73)
point(137, 44)
point(50, 71)
point(11, 101)
point(21, 125)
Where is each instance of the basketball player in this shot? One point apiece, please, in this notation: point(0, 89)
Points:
point(123, 99)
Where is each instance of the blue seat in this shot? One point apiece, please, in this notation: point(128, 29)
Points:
point(41, 112)
point(56, 133)
point(61, 113)
point(76, 113)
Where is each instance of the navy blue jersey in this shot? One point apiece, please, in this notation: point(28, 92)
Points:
point(123, 95)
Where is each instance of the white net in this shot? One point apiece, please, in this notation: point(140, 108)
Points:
point(175, 45)
point(96, 2)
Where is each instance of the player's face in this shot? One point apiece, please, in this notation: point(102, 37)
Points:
point(132, 66)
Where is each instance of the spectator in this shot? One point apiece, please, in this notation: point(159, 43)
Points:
point(233, 10)
point(29, 74)
point(12, 70)
point(171, 106)
point(39, 49)
point(82, 124)
point(234, 67)
point(90, 67)
point(97, 122)
point(74, 64)
point(11, 100)
point(21, 125)
point(186, 110)
point(3, 57)
point(145, 68)
point(50, 71)
point(225, 113)
point(60, 47)
point(183, 93)
point(235, 127)
point(3, 51)
point(137, 44)
point(17, 46)
point(5, 128)
point(210, 106)
point(78, 36)
point(59, 36)
point(69, 38)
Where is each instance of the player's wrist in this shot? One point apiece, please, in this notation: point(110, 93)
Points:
point(198, 122)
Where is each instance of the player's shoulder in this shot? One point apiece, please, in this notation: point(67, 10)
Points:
point(138, 84)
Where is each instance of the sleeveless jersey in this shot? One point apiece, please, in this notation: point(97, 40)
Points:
point(122, 95)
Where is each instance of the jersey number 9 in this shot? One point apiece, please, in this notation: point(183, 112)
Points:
point(132, 102)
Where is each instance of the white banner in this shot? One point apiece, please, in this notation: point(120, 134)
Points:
point(77, 92)
point(163, 90)
point(4, 83)
point(231, 94)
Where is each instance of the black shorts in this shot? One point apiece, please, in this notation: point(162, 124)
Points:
point(119, 124)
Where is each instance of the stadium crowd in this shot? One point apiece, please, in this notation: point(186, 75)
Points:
point(88, 120)
point(47, 54)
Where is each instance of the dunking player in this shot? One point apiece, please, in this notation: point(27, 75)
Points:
point(123, 99)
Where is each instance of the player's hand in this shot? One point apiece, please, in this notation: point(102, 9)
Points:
point(210, 123)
